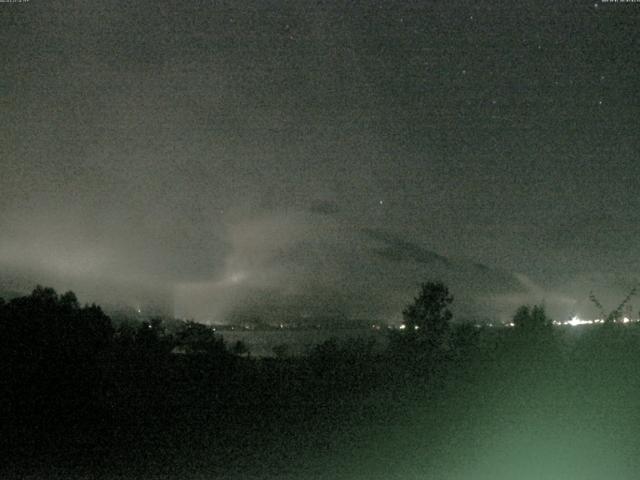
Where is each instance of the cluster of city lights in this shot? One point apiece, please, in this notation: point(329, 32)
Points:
point(403, 327)
point(576, 321)
point(573, 322)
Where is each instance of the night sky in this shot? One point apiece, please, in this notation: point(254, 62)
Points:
point(320, 159)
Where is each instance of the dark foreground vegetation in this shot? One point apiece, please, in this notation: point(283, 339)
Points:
point(83, 398)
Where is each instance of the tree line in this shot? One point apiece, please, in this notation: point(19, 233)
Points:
point(72, 376)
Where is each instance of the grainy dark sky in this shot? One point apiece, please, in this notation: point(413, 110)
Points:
point(321, 158)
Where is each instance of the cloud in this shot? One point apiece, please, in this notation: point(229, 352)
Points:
point(298, 266)
point(275, 264)
point(397, 249)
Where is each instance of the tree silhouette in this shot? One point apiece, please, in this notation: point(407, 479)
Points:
point(150, 338)
point(195, 338)
point(52, 352)
point(425, 341)
point(429, 317)
point(240, 348)
point(44, 324)
point(531, 319)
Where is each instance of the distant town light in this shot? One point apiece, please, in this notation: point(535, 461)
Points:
point(575, 321)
